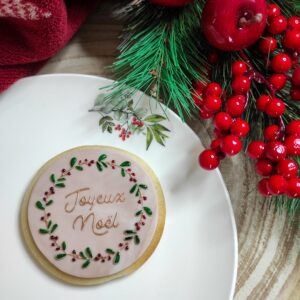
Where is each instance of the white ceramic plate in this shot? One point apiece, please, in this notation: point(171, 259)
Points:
point(197, 257)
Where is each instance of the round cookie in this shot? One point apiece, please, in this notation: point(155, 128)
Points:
point(93, 214)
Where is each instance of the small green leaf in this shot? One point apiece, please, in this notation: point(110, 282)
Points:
point(159, 128)
point(138, 212)
point(109, 129)
point(49, 224)
point(105, 119)
point(104, 164)
point(158, 137)
point(64, 245)
point(43, 231)
point(123, 173)
point(147, 210)
point(137, 193)
point(52, 178)
point(154, 118)
point(82, 255)
point(73, 161)
point(102, 157)
point(39, 205)
point(132, 190)
point(61, 179)
point(143, 186)
point(53, 228)
point(129, 232)
point(149, 138)
point(125, 164)
point(60, 185)
point(60, 255)
point(49, 202)
point(99, 167)
point(88, 252)
point(128, 238)
point(136, 239)
point(110, 251)
point(85, 264)
point(79, 168)
point(117, 258)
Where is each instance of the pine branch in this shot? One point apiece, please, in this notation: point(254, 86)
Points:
point(159, 54)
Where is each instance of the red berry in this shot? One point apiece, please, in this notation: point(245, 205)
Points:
point(262, 101)
point(278, 81)
point(241, 84)
point(209, 159)
point(267, 45)
point(212, 103)
point(275, 108)
point(263, 167)
point(263, 187)
point(277, 184)
point(273, 10)
point(222, 121)
point(216, 144)
point(293, 128)
point(288, 168)
point(213, 57)
point(231, 145)
point(256, 149)
point(295, 94)
point(203, 114)
point(292, 144)
point(213, 89)
point(238, 68)
point(275, 151)
point(197, 98)
point(291, 39)
point(272, 133)
point(293, 189)
point(240, 128)
point(296, 77)
point(199, 86)
point(281, 63)
point(277, 25)
point(294, 22)
point(235, 105)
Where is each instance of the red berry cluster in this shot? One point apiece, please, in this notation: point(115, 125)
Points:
point(273, 160)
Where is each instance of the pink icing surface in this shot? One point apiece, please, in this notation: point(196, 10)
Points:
point(108, 182)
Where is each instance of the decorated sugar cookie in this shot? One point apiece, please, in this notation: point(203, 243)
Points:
point(92, 214)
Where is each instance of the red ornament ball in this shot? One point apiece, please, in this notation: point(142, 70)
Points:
point(231, 145)
point(273, 10)
point(277, 25)
point(267, 45)
point(291, 39)
point(277, 185)
point(281, 63)
point(209, 159)
point(235, 105)
point(278, 81)
point(294, 22)
point(256, 149)
point(222, 121)
point(288, 168)
point(264, 167)
point(293, 128)
point(263, 187)
point(238, 68)
point(262, 101)
point(241, 84)
point(271, 133)
point(245, 22)
point(213, 89)
point(296, 77)
point(292, 144)
point(212, 103)
point(275, 151)
point(275, 108)
point(240, 128)
point(171, 3)
point(293, 189)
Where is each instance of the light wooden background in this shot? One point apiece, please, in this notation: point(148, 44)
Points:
point(269, 256)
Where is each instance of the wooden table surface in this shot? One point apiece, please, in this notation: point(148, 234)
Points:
point(269, 244)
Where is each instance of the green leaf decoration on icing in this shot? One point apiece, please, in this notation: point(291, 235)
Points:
point(49, 202)
point(104, 164)
point(143, 186)
point(43, 231)
point(85, 264)
point(125, 164)
point(123, 172)
point(128, 238)
point(52, 178)
point(49, 224)
point(132, 190)
point(53, 228)
point(137, 192)
point(138, 212)
point(149, 138)
point(99, 167)
point(136, 239)
point(82, 255)
point(79, 168)
point(64, 245)
point(110, 251)
point(73, 161)
point(154, 118)
point(117, 258)
point(129, 232)
point(147, 210)
point(39, 205)
point(60, 256)
point(88, 252)
point(102, 157)
point(61, 179)
point(60, 185)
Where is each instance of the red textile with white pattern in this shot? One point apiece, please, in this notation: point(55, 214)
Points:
point(33, 31)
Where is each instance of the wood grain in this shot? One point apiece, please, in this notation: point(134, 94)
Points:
point(269, 244)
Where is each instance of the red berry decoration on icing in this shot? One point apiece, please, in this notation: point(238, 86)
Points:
point(240, 128)
point(277, 184)
point(263, 187)
point(292, 144)
point(231, 145)
point(272, 133)
point(273, 10)
point(264, 167)
point(222, 121)
point(171, 3)
point(278, 81)
point(293, 128)
point(235, 105)
point(281, 63)
point(241, 84)
point(277, 25)
point(262, 101)
point(296, 77)
point(288, 168)
point(238, 68)
point(212, 103)
point(275, 108)
point(293, 189)
point(209, 159)
point(267, 45)
point(245, 22)
point(213, 89)
point(256, 149)
point(275, 151)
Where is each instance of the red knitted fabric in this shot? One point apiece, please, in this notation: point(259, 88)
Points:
point(33, 31)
